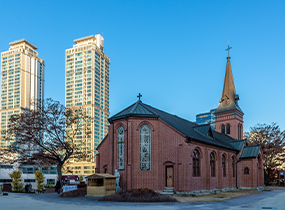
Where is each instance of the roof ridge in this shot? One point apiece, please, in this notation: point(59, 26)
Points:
point(123, 110)
point(135, 106)
point(253, 145)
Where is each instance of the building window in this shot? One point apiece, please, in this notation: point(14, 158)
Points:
point(120, 148)
point(212, 163)
point(224, 165)
point(233, 166)
point(246, 171)
point(223, 129)
point(228, 129)
point(196, 163)
point(29, 180)
point(145, 141)
point(51, 181)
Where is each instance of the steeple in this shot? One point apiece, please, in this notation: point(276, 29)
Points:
point(229, 116)
point(229, 99)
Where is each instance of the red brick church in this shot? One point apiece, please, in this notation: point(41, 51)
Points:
point(155, 149)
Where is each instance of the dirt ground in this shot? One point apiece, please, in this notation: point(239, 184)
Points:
point(223, 195)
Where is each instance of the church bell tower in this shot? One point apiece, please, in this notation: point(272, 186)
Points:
point(229, 116)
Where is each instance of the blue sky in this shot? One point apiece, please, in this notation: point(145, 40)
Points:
point(172, 52)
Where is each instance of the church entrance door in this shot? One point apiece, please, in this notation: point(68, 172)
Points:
point(169, 176)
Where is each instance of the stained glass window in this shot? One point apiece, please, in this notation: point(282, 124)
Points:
point(224, 165)
point(196, 165)
point(121, 148)
point(212, 163)
point(145, 141)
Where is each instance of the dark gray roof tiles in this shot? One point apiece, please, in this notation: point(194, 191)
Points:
point(250, 151)
point(237, 144)
point(191, 130)
point(136, 109)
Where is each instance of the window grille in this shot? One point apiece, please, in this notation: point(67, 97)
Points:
point(212, 163)
point(196, 163)
point(121, 148)
point(145, 142)
point(224, 165)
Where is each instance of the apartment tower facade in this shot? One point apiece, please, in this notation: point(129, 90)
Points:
point(22, 81)
point(88, 87)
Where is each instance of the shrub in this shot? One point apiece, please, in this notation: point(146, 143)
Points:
point(138, 195)
point(49, 185)
point(16, 180)
point(81, 192)
point(39, 177)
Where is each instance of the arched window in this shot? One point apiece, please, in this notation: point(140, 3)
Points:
point(212, 163)
point(246, 171)
point(145, 142)
point(224, 165)
point(233, 166)
point(223, 129)
point(228, 129)
point(121, 148)
point(196, 163)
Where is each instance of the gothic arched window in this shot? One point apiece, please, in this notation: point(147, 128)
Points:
point(145, 142)
point(223, 129)
point(224, 165)
point(233, 166)
point(212, 163)
point(246, 170)
point(196, 163)
point(121, 148)
point(228, 129)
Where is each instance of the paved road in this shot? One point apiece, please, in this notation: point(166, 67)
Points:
point(266, 200)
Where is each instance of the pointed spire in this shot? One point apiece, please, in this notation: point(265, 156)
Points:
point(229, 91)
point(229, 100)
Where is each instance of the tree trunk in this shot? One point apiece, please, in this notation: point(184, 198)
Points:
point(59, 174)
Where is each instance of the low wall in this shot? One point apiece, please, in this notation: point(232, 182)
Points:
point(50, 190)
point(99, 191)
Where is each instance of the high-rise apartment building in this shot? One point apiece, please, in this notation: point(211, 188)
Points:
point(206, 118)
point(22, 82)
point(88, 87)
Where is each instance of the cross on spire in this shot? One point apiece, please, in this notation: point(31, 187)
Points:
point(228, 49)
point(139, 96)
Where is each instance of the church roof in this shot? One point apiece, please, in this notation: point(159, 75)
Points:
point(137, 109)
point(192, 131)
point(237, 144)
point(250, 151)
point(229, 100)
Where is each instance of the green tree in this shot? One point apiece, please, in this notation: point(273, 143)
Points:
point(16, 180)
point(39, 177)
point(81, 178)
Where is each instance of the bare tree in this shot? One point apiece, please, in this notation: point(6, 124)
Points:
point(272, 142)
point(46, 135)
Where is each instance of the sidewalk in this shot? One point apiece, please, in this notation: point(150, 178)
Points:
point(47, 201)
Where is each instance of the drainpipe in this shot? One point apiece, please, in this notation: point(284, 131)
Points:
point(113, 156)
point(127, 151)
point(127, 139)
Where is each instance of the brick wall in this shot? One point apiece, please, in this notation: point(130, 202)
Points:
point(168, 148)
